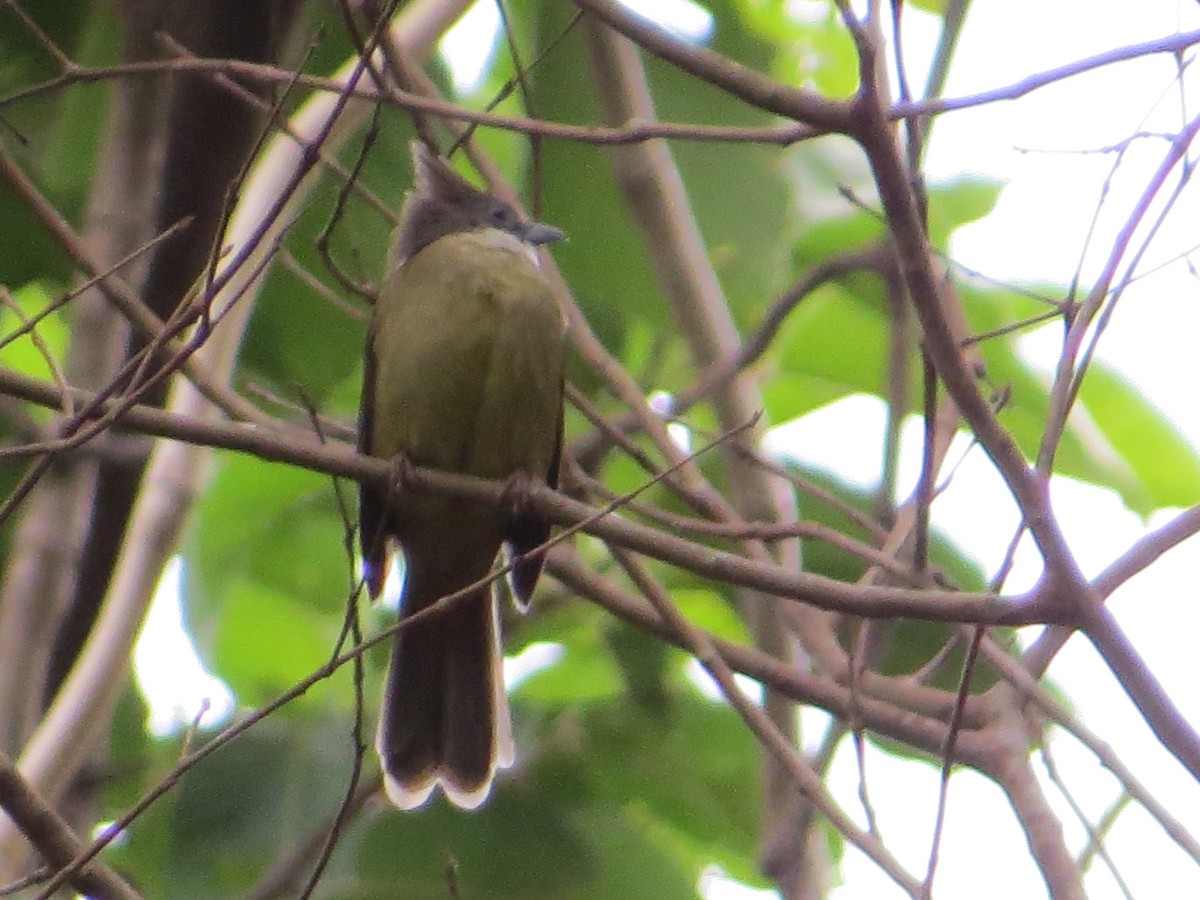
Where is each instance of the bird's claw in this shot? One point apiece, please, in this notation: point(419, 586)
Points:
point(402, 474)
point(517, 494)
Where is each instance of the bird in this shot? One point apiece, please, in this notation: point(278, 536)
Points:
point(463, 372)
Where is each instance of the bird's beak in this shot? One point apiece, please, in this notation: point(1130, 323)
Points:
point(539, 233)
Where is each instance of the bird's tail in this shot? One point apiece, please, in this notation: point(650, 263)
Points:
point(445, 716)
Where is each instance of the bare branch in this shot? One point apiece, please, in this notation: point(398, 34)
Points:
point(53, 838)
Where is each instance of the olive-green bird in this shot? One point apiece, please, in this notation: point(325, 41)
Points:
point(464, 373)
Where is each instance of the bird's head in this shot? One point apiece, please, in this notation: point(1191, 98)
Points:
point(442, 202)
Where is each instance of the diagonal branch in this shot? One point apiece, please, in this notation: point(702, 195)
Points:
point(52, 837)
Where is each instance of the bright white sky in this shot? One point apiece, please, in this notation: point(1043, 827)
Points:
point(1043, 147)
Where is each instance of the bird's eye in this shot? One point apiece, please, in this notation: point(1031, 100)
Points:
point(503, 216)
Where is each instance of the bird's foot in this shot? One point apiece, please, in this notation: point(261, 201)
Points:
point(517, 494)
point(526, 535)
point(402, 475)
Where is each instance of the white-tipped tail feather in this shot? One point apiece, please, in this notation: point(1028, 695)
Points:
point(414, 789)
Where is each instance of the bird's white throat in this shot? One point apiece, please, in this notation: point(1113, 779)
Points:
point(506, 240)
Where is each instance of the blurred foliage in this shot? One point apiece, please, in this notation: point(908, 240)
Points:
point(630, 782)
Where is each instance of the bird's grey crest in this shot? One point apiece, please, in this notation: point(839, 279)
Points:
point(442, 202)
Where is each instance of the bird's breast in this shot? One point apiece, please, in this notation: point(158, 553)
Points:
point(469, 348)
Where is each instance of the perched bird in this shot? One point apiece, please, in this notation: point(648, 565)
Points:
point(463, 373)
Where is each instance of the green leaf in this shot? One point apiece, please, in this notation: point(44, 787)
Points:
point(521, 845)
point(137, 763)
point(1120, 442)
point(299, 639)
point(586, 671)
point(813, 353)
point(959, 202)
point(28, 354)
point(271, 525)
point(643, 659)
point(267, 578)
point(59, 130)
point(251, 803)
point(1156, 454)
point(605, 261)
point(1115, 438)
point(693, 783)
point(811, 50)
point(937, 7)
point(708, 609)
